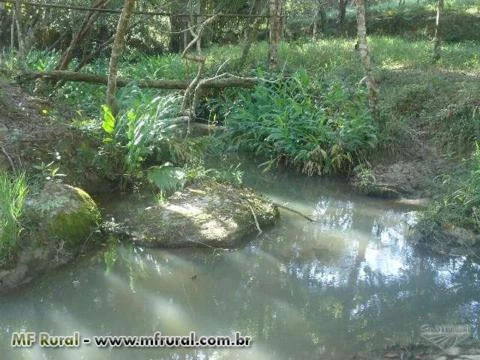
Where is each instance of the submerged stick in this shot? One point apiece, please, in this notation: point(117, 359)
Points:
point(294, 211)
point(256, 220)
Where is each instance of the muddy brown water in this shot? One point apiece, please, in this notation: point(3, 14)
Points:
point(348, 283)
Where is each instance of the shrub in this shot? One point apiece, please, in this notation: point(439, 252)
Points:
point(149, 134)
point(318, 129)
point(460, 204)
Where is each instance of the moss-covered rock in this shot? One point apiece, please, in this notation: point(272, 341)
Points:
point(208, 214)
point(64, 212)
point(60, 222)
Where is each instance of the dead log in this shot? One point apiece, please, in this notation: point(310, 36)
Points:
point(219, 83)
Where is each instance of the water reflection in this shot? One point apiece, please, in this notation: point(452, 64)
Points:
point(345, 284)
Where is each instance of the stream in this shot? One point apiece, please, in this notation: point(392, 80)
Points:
point(348, 283)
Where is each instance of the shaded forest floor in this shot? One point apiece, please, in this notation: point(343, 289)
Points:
point(37, 136)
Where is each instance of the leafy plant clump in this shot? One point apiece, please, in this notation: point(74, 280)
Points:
point(460, 204)
point(316, 128)
point(149, 136)
point(13, 191)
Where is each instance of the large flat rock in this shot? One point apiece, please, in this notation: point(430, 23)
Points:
point(208, 214)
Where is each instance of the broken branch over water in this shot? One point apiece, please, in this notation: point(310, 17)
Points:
point(294, 211)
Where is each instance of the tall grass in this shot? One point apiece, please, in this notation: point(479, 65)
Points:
point(13, 191)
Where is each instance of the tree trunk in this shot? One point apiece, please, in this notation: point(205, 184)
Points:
point(29, 33)
point(342, 8)
point(252, 33)
point(80, 35)
point(117, 49)
point(365, 57)
point(276, 12)
point(12, 32)
point(437, 47)
point(176, 35)
point(199, 20)
point(319, 16)
point(18, 23)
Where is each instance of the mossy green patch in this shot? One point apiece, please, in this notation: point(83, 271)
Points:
point(76, 225)
point(66, 213)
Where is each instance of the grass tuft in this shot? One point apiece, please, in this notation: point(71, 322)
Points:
point(13, 191)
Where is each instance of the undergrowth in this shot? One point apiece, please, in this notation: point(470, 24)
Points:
point(317, 128)
point(456, 210)
point(13, 191)
point(148, 133)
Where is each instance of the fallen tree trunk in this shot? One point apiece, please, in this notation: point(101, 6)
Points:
point(144, 83)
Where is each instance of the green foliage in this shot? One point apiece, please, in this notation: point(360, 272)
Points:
point(148, 132)
point(317, 128)
point(13, 191)
point(444, 107)
point(229, 175)
point(42, 60)
point(142, 129)
point(411, 20)
point(108, 124)
point(459, 202)
point(47, 172)
point(167, 177)
point(364, 178)
point(465, 201)
point(329, 59)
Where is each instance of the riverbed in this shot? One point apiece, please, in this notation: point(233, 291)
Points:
point(348, 283)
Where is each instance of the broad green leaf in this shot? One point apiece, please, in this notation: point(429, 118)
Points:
point(108, 124)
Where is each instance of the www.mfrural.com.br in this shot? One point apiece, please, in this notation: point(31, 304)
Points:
point(156, 340)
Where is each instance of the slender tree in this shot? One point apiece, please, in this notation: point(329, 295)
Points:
point(12, 31)
point(252, 32)
point(78, 37)
point(117, 49)
point(319, 14)
point(437, 47)
point(365, 56)
point(342, 9)
point(20, 35)
point(198, 21)
point(178, 26)
point(276, 11)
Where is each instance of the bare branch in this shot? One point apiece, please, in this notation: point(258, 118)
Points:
point(199, 32)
